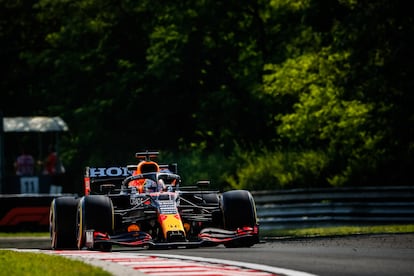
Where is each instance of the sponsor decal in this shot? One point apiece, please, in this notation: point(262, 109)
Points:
point(111, 171)
point(135, 201)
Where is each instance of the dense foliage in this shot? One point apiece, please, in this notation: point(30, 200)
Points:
point(259, 95)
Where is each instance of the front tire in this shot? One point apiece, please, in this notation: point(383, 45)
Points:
point(95, 212)
point(239, 211)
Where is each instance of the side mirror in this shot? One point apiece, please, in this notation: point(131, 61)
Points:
point(203, 183)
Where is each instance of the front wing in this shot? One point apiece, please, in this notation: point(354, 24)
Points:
point(207, 237)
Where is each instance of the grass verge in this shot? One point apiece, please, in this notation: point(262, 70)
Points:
point(339, 231)
point(34, 264)
point(24, 234)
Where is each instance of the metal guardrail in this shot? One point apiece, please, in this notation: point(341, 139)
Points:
point(301, 208)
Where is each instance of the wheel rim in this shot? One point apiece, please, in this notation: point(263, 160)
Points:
point(52, 225)
point(79, 225)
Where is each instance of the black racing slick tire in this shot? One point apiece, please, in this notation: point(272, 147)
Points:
point(239, 211)
point(62, 223)
point(95, 212)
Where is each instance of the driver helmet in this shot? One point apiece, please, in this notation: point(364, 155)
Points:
point(151, 186)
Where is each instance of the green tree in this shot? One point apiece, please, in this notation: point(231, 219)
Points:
point(303, 92)
point(342, 103)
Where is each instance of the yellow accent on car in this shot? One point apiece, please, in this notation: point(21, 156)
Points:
point(171, 223)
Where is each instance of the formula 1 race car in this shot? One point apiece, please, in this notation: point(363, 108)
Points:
point(144, 206)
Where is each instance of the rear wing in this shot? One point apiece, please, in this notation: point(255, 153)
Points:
point(147, 155)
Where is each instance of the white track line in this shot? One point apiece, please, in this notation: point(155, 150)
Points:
point(171, 265)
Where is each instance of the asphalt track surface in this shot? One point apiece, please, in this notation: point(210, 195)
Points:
point(352, 255)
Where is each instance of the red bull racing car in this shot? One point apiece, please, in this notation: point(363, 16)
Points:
point(143, 205)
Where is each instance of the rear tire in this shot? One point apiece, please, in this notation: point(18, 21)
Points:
point(95, 212)
point(239, 211)
point(62, 223)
